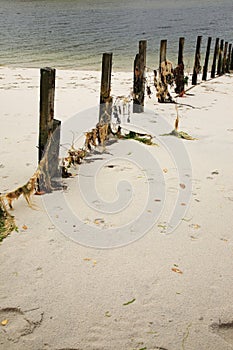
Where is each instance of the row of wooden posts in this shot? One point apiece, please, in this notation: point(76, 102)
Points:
point(222, 59)
point(222, 63)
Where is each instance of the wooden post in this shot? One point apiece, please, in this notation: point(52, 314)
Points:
point(205, 68)
point(224, 62)
point(197, 65)
point(219, 68)
point(136, 85)
point(49, 133)
point(139, 78)
point(53, 154)
point(179, 70)
point(213, 69)
point(228, 59)
point(105, 89)
point(47, 90)
point(142, 66)
point(181, 51)
point(231, 64)
point(163, 53)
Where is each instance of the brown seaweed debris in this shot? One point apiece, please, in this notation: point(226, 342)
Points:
point(7, 222)
point(179, 134)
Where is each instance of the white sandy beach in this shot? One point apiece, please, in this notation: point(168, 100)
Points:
point(60, 295)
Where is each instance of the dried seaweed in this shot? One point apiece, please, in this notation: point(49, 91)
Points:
point(176, 133)
point(129, 302)
point(144, 138)
point(7, 222)
point(180, 135)
point(133, 136)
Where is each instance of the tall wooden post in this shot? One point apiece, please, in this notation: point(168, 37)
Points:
point(136, 85)
point(224, 61)
point(49, 133)
point(216, 49)
point(219, 68)
point(181, 51)
point(163, 53)
point(105, 89)
point(205, 68)
point(231, 64)
point(139, 78)
point(179, 70)
point(47, 90)
point(197, 65)
point(228, 59)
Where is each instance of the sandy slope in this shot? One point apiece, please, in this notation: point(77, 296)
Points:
point(58, 294)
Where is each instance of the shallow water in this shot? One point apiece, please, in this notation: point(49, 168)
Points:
point(73, 34)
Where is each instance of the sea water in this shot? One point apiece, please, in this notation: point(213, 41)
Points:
point(73, 34)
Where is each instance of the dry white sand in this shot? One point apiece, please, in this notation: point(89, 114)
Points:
point(57, 294)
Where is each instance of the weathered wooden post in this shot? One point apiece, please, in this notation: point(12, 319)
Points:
point(181, 51)
point(163, 53)
point(139, 78)
point(142, 54)
point(224, 61)
point(228, 59)
point(231, 64)
point(213, 69)
point(197, 65)
point(47, 90)
point(49, 131)
point(205, 68)
point(219, 68)
point(179, 70)
point(53, 154)
point(105, 110)
point(136, 85)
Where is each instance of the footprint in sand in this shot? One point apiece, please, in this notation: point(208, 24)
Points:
point(224, 330)
point(14, 324)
